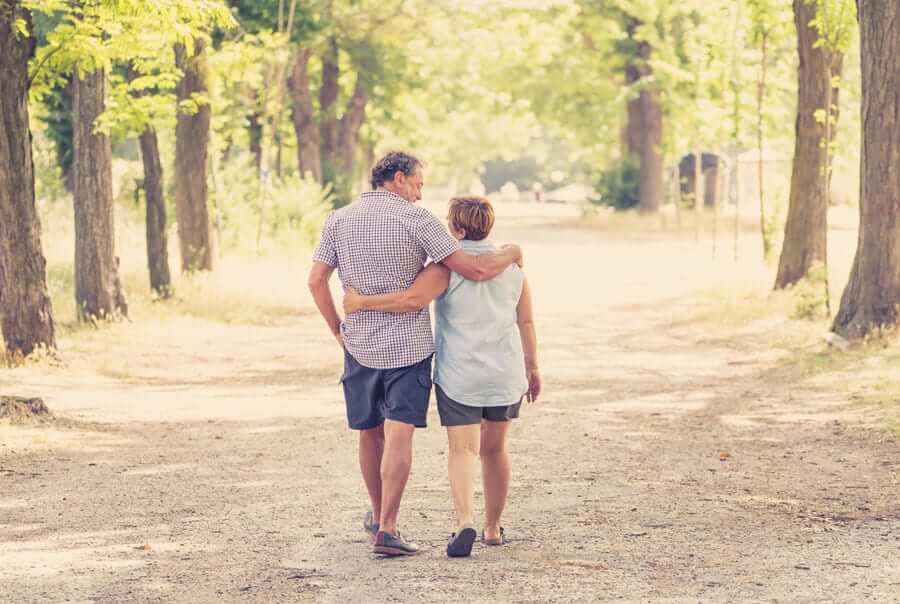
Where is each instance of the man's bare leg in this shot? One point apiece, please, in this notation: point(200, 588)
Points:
point(495, 473)
point(371, 450)
point(395, 465)
point(464, 443)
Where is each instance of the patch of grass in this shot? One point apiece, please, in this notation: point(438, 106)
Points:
point(868, 373)
point(258, 292)
point(245, 287)
point(667, 221)
point(751, 314)
point(810, 294)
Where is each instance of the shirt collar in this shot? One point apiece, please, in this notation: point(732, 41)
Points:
point(381, 196)
point(484, 244)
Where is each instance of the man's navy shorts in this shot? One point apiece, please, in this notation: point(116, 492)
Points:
point(373, 395)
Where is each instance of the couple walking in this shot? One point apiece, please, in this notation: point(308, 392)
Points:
point(484, 347)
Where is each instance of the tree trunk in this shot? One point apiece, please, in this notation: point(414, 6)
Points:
point(328, 94)
point(26, 316)
point(154, 197)
point(805, 230)
point(98, 291)
point(872, 296)
point(651, 175)
point(351, 122)
point(643, 133)
point(191, 147)
point(635, 124)
point(157, 240)
point(308, 158)
point(255, 130)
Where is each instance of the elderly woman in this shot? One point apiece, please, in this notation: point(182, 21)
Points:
point(485, 364)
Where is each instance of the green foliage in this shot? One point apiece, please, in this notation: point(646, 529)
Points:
point(810, 294)
point(238, 72)
point(56, 114)
point(619, 185)
point(261, 16)
point(295, 208)
point(100, 34)
point(835, 23)
point(48, 175)
point(523, 172)
point(767, 19)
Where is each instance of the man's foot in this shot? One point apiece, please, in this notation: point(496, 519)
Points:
point(387, 544)
point(370, 526)
point(460, 545)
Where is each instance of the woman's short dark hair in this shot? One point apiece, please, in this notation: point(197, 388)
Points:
point(393, 162)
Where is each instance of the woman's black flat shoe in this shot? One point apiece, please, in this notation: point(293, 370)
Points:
point(460, 545)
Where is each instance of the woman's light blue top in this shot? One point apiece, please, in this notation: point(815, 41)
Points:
point(478, 350)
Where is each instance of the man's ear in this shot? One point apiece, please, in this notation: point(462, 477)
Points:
point(399, 177)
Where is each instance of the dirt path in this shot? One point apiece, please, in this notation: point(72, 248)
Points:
point(212, 464)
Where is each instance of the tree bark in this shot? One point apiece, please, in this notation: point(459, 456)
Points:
point(328, 94)
point(157, 240)
point(191, 148)
point(26, 316)
point(98, 290)
point(351, 122)
point(805, 237)
point(308, 158)
point(644, 131)
point(651, 175)
point(255, 130)
point(155, 211)
point(635, 124)
point(871, 298)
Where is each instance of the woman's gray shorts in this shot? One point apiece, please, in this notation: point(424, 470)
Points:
point(454, 413)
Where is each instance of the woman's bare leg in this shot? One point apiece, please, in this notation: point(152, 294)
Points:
point(464, 442)
point(495, 473)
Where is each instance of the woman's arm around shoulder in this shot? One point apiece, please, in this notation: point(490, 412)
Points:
point(429, 284)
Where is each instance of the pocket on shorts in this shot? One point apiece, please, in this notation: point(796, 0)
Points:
point(349, 365)
point(424, 375)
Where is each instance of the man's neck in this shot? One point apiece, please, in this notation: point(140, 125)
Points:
point(386, 190)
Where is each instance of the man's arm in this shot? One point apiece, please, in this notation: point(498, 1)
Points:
point(319, 276)
point(430, 284)
point(484, 266)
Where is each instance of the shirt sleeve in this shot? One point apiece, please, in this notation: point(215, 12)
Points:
point(435, 239)
point(326, 251)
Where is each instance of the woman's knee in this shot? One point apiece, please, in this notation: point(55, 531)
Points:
point(493, 449)
point(493, 440)
point(464, 440)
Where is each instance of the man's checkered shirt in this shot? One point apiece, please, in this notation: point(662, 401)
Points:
point(378, 245)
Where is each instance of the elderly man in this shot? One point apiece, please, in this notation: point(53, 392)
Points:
point(378, 245)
